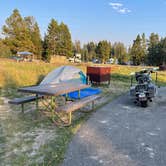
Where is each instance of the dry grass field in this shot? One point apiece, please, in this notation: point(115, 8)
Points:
point(14, 74)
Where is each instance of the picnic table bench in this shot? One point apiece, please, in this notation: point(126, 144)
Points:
point(77, 104)
point(24, 100)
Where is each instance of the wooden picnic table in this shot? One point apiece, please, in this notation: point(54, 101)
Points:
point(53, 90)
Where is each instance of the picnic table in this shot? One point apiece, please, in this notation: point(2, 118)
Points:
point(51, 91)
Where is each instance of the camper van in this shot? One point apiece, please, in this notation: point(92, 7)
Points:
point(76, 58)
point(110, 61)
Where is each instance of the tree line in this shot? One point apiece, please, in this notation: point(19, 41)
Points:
point(143, 51)
point(150, 51)
point(23, 34)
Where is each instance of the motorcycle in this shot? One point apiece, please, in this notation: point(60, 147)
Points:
point(144, 90)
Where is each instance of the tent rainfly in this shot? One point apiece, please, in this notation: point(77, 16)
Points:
point(65, 74)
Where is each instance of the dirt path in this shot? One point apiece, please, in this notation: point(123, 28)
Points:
point(122, 134)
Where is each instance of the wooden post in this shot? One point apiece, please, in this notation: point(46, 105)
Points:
point(22, 108)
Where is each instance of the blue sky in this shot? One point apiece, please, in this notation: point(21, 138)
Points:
point(113, 20)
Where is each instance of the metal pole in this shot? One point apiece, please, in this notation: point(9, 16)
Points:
point(79, 94)
point(37, 103)
point(51, 102)
point(156, 78)
point(70, 117)
point(131, 81)
point(93, 105)
point(52, 107)
point(66, 97)
point(22, 108)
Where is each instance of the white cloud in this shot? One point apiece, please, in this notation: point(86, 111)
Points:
point(124, 11)
point(119, 7)
point(115, 4)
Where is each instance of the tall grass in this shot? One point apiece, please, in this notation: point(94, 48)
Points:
point(14, 74)
point(125, 71)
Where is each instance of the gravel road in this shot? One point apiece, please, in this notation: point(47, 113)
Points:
point(122, 134)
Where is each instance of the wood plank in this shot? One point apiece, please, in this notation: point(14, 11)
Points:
point(54, 89)
point(24, 99)
point(77, 104)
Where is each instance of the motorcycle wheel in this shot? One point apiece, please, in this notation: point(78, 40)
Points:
point(144, 103)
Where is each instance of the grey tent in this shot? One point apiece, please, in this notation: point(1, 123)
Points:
point(64, 74)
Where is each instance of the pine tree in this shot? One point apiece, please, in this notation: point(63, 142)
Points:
point(91, 47)
point(4, 50)
point(76, 47)
point(153, 49)
point(144, 48)
point(46, 56)
point(65, 44)
point(34, 32)
point(16, 34)
point(52, 37)
point(103, 50)
point(163, 52)
point(119, 51)
point(85, 53)
point(137, 52)
point(59, 39)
